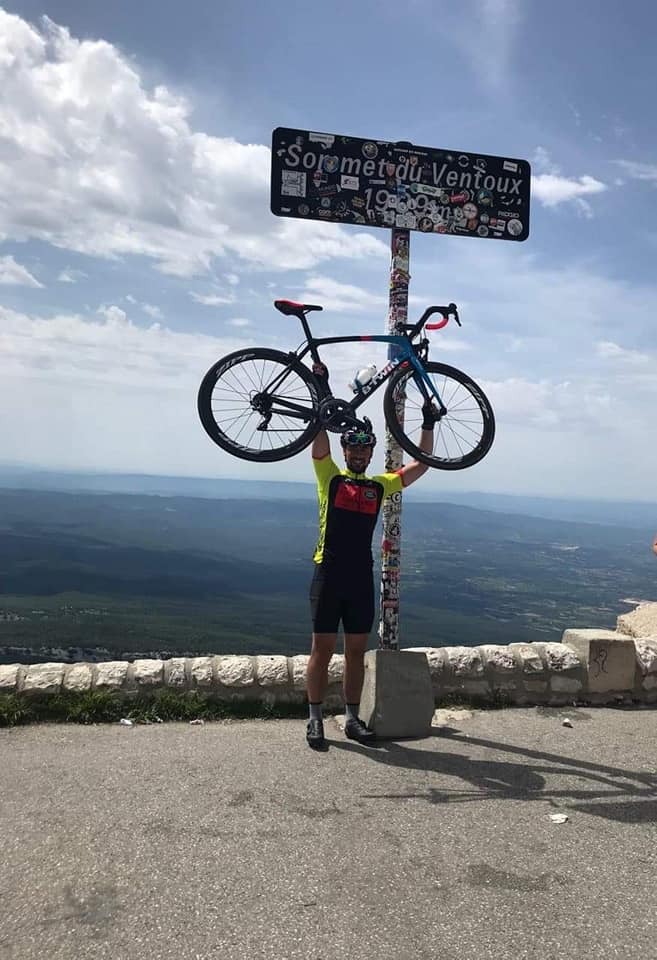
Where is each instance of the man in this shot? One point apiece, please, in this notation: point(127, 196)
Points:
point(342, 588)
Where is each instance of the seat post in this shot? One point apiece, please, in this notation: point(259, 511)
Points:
point(309, 336)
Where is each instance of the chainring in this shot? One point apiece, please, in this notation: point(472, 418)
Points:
point(334, 417)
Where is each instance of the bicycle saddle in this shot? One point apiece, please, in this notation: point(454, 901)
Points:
point(292, 308)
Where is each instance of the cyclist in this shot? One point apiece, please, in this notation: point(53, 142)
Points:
point(342, 587)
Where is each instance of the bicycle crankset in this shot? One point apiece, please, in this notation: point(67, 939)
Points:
point(334, 416)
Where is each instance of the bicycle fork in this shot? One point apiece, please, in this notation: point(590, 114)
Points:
point(426, 387)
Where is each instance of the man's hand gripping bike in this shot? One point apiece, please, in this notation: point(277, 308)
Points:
point(264, 405)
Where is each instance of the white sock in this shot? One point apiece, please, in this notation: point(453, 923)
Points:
point(351, 710)
point(315, 711)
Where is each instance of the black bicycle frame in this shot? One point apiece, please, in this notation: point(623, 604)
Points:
point(406, 356)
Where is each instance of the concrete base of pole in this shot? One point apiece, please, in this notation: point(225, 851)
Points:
point(397, 697)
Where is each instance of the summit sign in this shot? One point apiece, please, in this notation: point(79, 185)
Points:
point(378, 183)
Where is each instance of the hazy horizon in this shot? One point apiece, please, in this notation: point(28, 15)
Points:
point(592, 509)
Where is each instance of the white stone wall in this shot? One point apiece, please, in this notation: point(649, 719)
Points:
point(595, 666)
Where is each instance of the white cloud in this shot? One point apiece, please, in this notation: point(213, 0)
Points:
point(110, 168)
point(550, 404)
point(147, 308)
point(12, 273)
point(114, 316)
point(212, 299)
point(609, 350)
point(107, 348)
point(239, 322)
point(542, 161)
point(71, 276)
point(232, 279)
point(551, 188)
point(341, 297)
point(639, 171)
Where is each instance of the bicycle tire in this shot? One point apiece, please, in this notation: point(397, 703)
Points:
point(401, 378)
point(225, 369)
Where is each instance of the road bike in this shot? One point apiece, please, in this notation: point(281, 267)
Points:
point(264, 405)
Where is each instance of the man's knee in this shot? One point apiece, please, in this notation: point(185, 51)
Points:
point(324, 645)
point(355, 644)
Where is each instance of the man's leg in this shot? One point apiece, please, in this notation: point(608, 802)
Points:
point(358, 619)
point(322, 650)
point(325, 615)
point(355, 645)
point(317, 680)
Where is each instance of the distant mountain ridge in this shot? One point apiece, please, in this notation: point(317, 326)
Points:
point(635, 514)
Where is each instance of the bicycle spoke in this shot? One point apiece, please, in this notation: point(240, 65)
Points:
point(233, 420)
point(477, 433)
point(448, 424)
point(442, 437)
point(241, 430)
point(262, 374)
point(230, 379)
point(454, 406)
point(286, 423)
point(252, 376)
point(251, 438)
point(231, 409)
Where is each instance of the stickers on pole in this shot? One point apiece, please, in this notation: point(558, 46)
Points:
point(321, 176)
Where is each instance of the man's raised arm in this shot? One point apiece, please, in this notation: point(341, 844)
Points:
point(321, 447)
point(414, 470)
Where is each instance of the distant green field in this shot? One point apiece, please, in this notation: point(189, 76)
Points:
point(242, 625)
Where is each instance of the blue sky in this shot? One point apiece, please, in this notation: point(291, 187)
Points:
point(137, 246)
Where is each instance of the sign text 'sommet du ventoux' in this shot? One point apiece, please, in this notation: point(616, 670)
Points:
point(321, 176)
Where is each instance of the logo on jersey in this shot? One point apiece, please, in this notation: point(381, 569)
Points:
point(354, 497)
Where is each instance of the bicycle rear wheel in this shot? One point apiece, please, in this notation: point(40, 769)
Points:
point(462, 437)
point(259, 404)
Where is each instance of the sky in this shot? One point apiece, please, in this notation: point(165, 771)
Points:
point(137, 244)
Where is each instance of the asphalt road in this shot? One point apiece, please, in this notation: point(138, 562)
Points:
point(234, 840)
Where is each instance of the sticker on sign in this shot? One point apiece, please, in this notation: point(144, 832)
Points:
point(325, 139)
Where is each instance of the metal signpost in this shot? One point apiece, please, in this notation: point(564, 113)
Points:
point(394, 455)
point(377, 183)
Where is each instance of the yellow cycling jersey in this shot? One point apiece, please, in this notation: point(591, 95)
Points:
point(349, 505)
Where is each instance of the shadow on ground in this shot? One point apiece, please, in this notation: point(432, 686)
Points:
point(616, 793)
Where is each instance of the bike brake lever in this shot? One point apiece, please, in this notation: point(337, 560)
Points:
point(452, 309)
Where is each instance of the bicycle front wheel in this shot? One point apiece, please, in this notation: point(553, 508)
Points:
point(462, 437)
point(259, 404)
